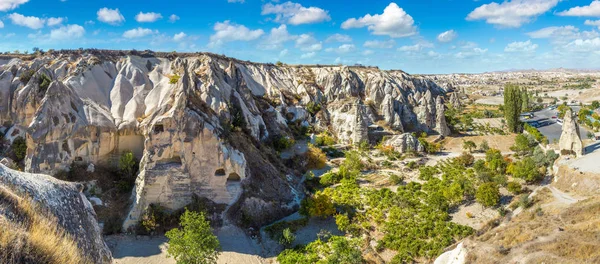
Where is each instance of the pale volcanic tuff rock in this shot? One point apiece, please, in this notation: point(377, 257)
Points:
point(570, 139)
point(441, 127)
point(173, 113)
point(404, 143)
point(454, 100)
point(66, 202)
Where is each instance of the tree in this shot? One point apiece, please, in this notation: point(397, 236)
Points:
point(514, 187)
point(316, 157)
point(488, 194)
point(595, 104)
point(470, 145)
point(194, 242)
point(127, 164)
point(525, 100)
point(484, 146)
point(526, 169)
point(19, 149)
point(318, 206)
point(513, 103)
point(522, 144)
point(287, 237)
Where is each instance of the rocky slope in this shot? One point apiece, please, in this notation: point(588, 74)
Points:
point(64, 201)
point(181, 113)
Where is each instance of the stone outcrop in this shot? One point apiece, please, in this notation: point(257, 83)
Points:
point(178, 114)
point(454, 100)
point(405, 143)
point(66, 202)
point(570, 139)
point(441, 126)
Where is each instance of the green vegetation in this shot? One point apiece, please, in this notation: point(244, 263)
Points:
point(324, 139)
point(316, 158)
point(483, 147)
point(19, 149)
point(26, 76)
point(313, 108)
point(526, 169)
point(523, 144)
point(194, 242)
point(282, 143)
point(128, 164)
point(44, 82)
point(469, 145)
point(539, 137)
point(174, 79)
point(514, 187)
point(287, 237)
point(488, 194)
point(319, 205)
point(513, 104)
point(337, 249)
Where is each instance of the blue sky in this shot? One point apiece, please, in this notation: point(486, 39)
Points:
point(417, 36)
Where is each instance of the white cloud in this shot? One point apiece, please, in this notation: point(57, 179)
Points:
point(345, 48)
point(147, 17)
point(27, 21)
point(549, 32)
point(54, 21)
point(179, 36)
point(228, 32)
point(524, 46)
point(367, 52)
point(283, 53)
point(417, 47)
point(470, 53)
point(277, 38)
point(306, 42)
point(512, 13)
point(1, 24)
point(584, 45)
point(7, 5)
point(592, 10)
point(236, 1)
point(308, 55)
point(110, 16)
point(376, 44)
point(295, 14)
point(67, 32)
point(338, 38)
point(138, 33)
point(447, 36)
point(173, 18)
point(394, 22)
point(594, 23)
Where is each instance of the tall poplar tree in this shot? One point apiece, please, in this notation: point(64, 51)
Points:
point(513, 103)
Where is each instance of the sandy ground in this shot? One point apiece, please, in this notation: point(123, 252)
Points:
point(500, 142)
point(479, 215)
point(492, 122)
point(491, 100)
point(237, 248)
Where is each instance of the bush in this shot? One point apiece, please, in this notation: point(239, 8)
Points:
point(44, 82)
point(395, 179)
point(316, 157)
point(19, 149)
point(282, 143)
point(488, 194)
point(287, 237)
point(514, 187)
point(313, 108)
point(194, 242)
point(324, 139)
point(318, 206)
point(527, 170)
point(524, 201)
point(483, 147)
point(469, 145)
point(329, 178)
point(128, 165)
point(26, 76)
point(465, 159)
point(174, 79)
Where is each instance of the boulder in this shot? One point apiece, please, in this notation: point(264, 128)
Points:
point(404, 143)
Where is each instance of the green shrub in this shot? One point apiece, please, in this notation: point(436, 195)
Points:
point(316, 158)
point(194, 242)
point(19, 149)
point(26, 76)
point(174, 79)
point(465, 159)
point(527, 170)
point(282, 143)
point(324, 139)
point(287, 237)
point(488, 194)
point(318, 206)
point(395, 179)
point(514, 187)
point(329, 178)
point(44, 82)
point(313, 108)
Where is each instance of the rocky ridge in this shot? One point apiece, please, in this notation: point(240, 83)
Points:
point(181, 116)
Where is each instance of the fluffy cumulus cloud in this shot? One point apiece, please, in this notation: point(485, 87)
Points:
point(7, 5)
point(376, 44)
point(110, 16)
point(338, 38)
point(147, 17)
point(513, 13)
point(27, 21)
point(67, 32)
point(173, 18)
point(584, 45)
point(394, 22)
point(591, 10)
point(179, 36)
point(344, 48)
point(55, 21)
point(524, 46)
point(447, 36)
point(549, 32)
point(295, 14)
point(307, 42)
point(229, 32)
point(594, 23)
point(414, 48)
point(138, 33)
point(277, 37)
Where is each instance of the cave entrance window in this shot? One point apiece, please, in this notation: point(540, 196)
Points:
point(158, 128)
point(78, 159)
point(220, 172)
point(234, 177)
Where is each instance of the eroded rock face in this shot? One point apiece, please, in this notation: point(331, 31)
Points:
point(441, 126)
point(178, 115)
point(570, 139)
point(404, 143)
point(64, 200)
point(454, 100)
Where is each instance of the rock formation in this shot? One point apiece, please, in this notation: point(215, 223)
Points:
point(404, 143)
point(569, 139)
point(63, 200)
point(441, 127)
point(181, 115)
point(454, 100)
